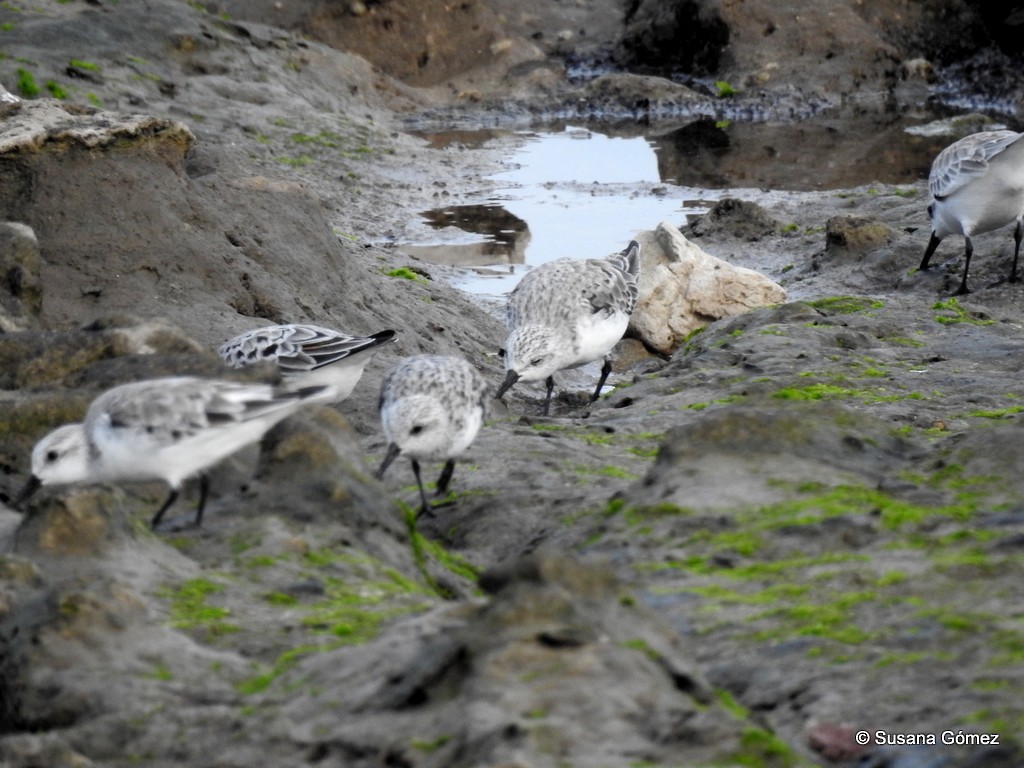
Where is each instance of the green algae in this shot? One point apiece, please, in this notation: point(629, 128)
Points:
point(189, 608)
point(845, 305)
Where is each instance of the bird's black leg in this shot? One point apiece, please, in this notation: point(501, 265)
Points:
point(933, 243)
point(963, 290)
point(445, 478)
point(606, 368)
point(204, 489)
point(550, 382)
point(166, 505)
point(1017, 234)
point(425, 505)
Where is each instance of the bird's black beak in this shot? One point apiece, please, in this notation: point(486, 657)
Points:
point(33, 485)
point(391, 455)
point(510, 378)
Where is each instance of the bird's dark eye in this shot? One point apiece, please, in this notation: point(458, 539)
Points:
point(52, 455)
point(537, 361)
point(416, 430)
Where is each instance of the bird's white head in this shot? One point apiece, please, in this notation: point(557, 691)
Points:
point(535, 352)
point(418, 425)
point(62, 456)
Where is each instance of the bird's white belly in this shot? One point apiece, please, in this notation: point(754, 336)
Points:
point(462, 439)
point(596, 335)
point(342, 376)
point(135, 455)
point(989, 203)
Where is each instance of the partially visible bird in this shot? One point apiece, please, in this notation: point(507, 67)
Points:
point(431, 408)
point(307, 355)
point(166, 429)
point(567, 313)
point(6, 97)
point(977, 185)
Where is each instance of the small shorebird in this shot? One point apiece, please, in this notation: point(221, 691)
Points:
point(307, 355)
point(431, 408)
point(977, 185)
point(567, 313)
point(166, 429)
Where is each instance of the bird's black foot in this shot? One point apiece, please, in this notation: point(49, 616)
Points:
point(427, 510)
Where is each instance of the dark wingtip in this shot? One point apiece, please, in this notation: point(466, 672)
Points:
point(632, 255)
point(304, 393)
point(384, 337)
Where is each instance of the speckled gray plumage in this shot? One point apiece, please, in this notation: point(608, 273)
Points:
point(967, 159)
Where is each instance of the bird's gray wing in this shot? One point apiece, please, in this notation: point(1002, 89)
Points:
point(176, 408)
point(314, 347)
point(610, 287)
point(297, 348)
point(965, 160)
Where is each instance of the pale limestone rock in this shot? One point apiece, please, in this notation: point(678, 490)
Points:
point(682, 288)
point(47, 122)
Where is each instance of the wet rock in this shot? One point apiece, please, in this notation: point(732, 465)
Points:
point(545, 613)
point(773, 439)
point(639, 92)
point(738, 218)
point(77, 523)
point(313, 470)
point(25, 751)
point(89, 356)
point(834, 742)
point(674, 36)
point(851, 237)
point(20, 266)
point(682, 288)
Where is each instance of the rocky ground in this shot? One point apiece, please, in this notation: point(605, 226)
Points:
point(803, 523)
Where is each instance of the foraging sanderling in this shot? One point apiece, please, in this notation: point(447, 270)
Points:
point(166, 429)
point(977, 185)
point(567, 313)
point(431, 408)
point(307, 355)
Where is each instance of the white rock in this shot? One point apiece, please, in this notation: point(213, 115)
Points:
point(683, 288)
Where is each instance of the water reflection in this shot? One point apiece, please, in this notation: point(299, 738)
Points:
point(793, 156)
point(505, 237)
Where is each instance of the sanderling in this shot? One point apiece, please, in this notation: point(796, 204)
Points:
point(307, 355)
point(166, 429)
point(431, 408)
point(977, 185)
point(567, 313)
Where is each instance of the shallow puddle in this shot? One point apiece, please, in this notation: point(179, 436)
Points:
point(571, 191)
